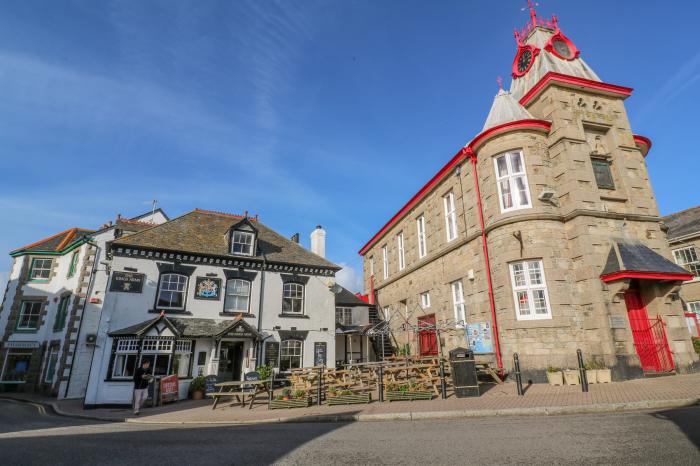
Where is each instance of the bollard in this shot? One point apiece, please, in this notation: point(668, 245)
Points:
point(582, 371)
point(518, 376)
point(270, 393)
point(319, 390)
point(381, 383)
point(443, 385)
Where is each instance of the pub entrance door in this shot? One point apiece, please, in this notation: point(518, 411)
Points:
point(427, 335)
point(230, 361)
point(649, 335)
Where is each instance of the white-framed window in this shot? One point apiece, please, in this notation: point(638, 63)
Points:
point(450, 216)
point(693, 306)
point(125, 358)
point(40, 269)
point(688, 258)
point(51, 365)
point(402, 255)
point(343, 315)
point(530, 290)
point(29, 314)
point(172, 291)
point(458, 303)
point(292, 298)
point(290, 354)
point(242, 242)
point(385, 311)
point(158, 352)
point(385, 262)
point(425, 300)
point(513, 190)
point(422, 246)
point(237, 296)
point(181, 362)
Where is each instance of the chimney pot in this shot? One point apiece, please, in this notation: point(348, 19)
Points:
point(318, 241)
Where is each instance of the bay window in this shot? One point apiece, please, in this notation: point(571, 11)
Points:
point(530, 290)
point(125, 357)
point(513, 190)
point(172, 291)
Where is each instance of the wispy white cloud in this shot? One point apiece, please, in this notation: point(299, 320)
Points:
point(349, 278)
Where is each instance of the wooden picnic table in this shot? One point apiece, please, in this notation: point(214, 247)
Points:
point(227, 390)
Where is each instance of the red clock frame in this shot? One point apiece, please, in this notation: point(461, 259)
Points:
point(575, 52)
point(521, 49)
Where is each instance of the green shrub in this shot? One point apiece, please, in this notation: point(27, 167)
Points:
point(197, 384)
point(696, 345)
point(300, 394)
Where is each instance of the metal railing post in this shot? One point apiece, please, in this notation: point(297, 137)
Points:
point(270, 393)
point(319, 389)
point(443, 384)
point(518, 375)
point(582, 371)
point(381, 383)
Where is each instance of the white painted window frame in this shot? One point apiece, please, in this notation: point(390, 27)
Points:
point(687, 257)
point(425, 300)
point(422, 245)
point(450, 216)
point(458, 304)
point(385, 262)
point(529, 288)
point(402, 251)
point(245, 240)
point(510, 178)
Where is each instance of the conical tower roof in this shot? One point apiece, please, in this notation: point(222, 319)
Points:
point(505, 109)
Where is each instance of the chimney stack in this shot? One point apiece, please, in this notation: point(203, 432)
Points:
point(295, 238)
point(318, 241)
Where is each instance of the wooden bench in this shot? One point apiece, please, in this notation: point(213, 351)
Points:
point(239, 395)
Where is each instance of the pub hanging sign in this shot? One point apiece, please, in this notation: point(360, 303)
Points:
point(127, 282)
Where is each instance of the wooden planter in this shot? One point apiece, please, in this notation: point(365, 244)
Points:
point(292, 403)
point(409, 396)
point(555, 378)
point(604, 376)
point(355, 398)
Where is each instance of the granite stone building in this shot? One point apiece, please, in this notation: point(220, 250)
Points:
point(541, 235)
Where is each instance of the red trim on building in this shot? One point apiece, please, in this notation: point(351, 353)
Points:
point(558, 35)
point(694, 316)
point(646, 276)
point(478, 141)
point(226, 214)
point(522, 49)
point(573, 81)
point(642, 141)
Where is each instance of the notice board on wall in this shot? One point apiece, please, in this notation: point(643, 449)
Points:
point(320, 353)
point(272, 353)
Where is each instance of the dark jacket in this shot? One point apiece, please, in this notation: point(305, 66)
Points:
point(141, 382)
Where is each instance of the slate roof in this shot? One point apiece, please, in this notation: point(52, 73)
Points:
point(505, 109)
point(348, 298)
point(56, 243)
point(683, 223)
point(186, 327)
point(634, 256)
point(207, 233)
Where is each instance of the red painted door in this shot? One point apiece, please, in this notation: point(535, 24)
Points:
point(427, 336)
point(649, 335)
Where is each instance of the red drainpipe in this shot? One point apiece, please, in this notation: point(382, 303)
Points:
point(496, 341)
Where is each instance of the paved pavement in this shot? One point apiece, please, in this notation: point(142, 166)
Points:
point(662, 392)
point(670, 437)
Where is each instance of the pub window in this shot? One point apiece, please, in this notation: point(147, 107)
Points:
point(40, 270)
point(513, 190)
point(158, 352)
point(171, 293)
point(73, 264)
point(181, 363)
point(290, 355)
point(29, 314)
point(61, 313)
point(688, 258)
point(16, 365)
point(51, 365)
point(125, 358)
point(237, 296)
point(343, 315)
point(530, 290)
point(242, 242)
point(293, 298)
point(603, 173)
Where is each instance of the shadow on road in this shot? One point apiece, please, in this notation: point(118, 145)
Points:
point(686, 419)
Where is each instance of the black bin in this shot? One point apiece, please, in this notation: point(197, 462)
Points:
point(464, 373)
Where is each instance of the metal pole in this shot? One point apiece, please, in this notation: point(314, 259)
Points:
point(320, 385)
point(518, 376)
point(443, 385)
point(582, 371)
point(272, 389)
point(381, 382)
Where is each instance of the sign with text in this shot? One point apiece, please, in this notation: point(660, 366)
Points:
point(480, 337)
point(272, 353)
point(320, 352)
point(169, 389)
point(127, 282)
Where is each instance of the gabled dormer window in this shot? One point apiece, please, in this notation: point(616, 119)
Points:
point(243, 236)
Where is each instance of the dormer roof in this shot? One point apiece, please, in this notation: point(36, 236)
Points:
point(505, 108)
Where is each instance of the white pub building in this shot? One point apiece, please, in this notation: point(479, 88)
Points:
point(210, 293)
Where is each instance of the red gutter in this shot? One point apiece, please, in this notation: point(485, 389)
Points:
point(573, 81)
point(643, 141)
point(646, 275)
point(492, 302)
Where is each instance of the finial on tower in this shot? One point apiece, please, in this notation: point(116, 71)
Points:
point(533, 14)
point(499, 80)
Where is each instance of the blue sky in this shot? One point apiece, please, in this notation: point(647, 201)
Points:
point(308, 112)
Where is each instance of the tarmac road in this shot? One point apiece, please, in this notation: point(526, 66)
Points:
point(28, 436)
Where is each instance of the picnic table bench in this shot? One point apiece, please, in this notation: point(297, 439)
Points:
point(228, 390)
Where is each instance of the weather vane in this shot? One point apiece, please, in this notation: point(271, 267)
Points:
point(499, 80)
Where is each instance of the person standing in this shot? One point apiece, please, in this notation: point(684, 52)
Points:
point(142, 378)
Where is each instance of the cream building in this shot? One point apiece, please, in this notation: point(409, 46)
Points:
point(541, 236)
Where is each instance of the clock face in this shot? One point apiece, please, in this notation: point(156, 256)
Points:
point(524, 61)
point(562, 48)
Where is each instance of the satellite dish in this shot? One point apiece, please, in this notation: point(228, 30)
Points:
point(336, 289)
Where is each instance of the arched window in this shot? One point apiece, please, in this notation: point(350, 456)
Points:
point(237, 296)
point(290, 354)
point(293, 298)
point(171, 293)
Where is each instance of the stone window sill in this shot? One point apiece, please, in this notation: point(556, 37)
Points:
point(295, 316)
point(234, 314)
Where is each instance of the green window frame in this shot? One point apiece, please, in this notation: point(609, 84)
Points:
point(29, 315)
point(51, 362)
point(40, 270)
point(603, 173)
point(61, 313)
point(73, 264)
